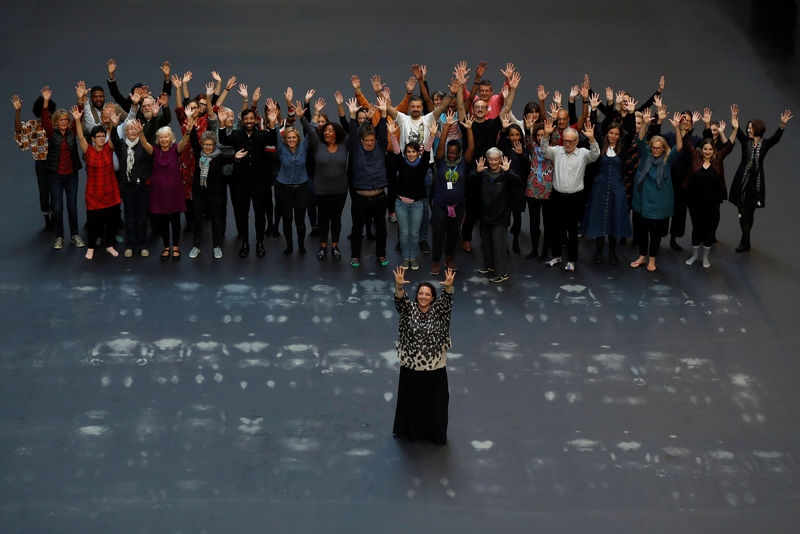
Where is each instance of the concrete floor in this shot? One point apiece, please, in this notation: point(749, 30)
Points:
point(257, 395)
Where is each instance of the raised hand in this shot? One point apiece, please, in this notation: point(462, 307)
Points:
point(16, 101)
point(176, 81)
point(508, 71)
point(231, 82)
point(631, 104)
point(210, 90)
point(416, 70)
point(310, 94)
point(505, 120)
point(467, 121)
point(46, 94)
point(707, 117)
point(319, 104)
point(299, 108)
point(376, 83)
point(516, 146)
point(454, 85)
point(112, 68)
point(504, 91)
point(76, 113)
point(392, 127)
point(165, 69)
point(573, 92)
point(661, 84)
point(734, 110)
point(647, 116)
point(215, 75)
point(271, 106)
point(620, 96)
point(80, 91)
point(662, 113)
point(288, 94)
point(505, 164)
point(676, 121)
point(585, 92)
point(554, 109)
point(514, 81)
point(588, 130)
point(352, 105)
point(381, 104)
point(786, 116)
point(386, 92)
point(721, 127)
point(399, 278)
point(187, 76)
point(609, 94)
point(257, 94)
point(113, 116)
point(434, 129)
point(450, 117)
point(540, 92)
point(272, 115)
point(135, 96)
point(696, 117)
point(138, 127)
point(240, 154)
point(480, 70)
point(356, 82)
point(449, 278)
point(529, 121)
point(658, 101)
point(594, 101)
point(410, 84)
point(480, 165)
point(337, 96)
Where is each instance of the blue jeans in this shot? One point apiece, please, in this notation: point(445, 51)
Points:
point(59, 185)
point(409, 217)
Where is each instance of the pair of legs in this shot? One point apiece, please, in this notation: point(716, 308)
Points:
point(102, 223)
point(64, 185)
point(211, 203)
point(567, 208)
point(170, 226)
point(494, 246)
point(541, 209)
point(647, 233)
point(135, 200)
point(293, 200)
point(245, 194)
point(329, 217)
point(366, 209)
point(446, 227)
point(45, 202)
point(409, 219)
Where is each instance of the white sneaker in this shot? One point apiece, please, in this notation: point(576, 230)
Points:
point(194, 252)
point(58, 244)
point(414, 264)
point(77, 241)
point(217, 253)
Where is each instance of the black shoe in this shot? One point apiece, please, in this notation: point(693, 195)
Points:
point(49, 224)
point(743, 246)
point(612, 258)
point(314, 232)
point(674, 245)
point(515, 245)
point(336, 253)
point(245, 250)
point(260, 250)
point(322, 253)
point(288, 250)
point(531, 255)
point(424, 247)
point(275, 232)
point(301, 249)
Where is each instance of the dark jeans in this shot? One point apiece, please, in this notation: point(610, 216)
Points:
point(330, 216)
point(567, 209)
point(60, 185)
point(494, 245)
point(102, 223)
point(244, 195)
point(43, 183)
point(293, 200)
point(366, 209)
point(539, 208)
point(135, 200)
point(213, 204)
point(445, 230)
point(648, 233)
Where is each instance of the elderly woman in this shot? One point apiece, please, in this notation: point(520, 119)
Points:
point(748, 188)
point(652, 191)
point(208, 189)
point(166, 187)
point(422, 344)
point(499, 189)
point(102, 190)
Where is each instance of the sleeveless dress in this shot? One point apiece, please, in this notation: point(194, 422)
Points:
point(166, 183)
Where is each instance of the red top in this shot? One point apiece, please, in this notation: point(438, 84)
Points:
point(102, 190)
point(64, 157)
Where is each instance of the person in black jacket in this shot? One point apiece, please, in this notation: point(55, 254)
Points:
point(251, 179)
point(499, 189)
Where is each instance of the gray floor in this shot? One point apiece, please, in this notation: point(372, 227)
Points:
point(258, 395)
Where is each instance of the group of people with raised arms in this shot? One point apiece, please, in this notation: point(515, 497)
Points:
point(436, 163)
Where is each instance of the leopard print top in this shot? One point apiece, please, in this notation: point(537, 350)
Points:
point(424, 338)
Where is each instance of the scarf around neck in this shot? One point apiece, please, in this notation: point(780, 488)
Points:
point(204, 162)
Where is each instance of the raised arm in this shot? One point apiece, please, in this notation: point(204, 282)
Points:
point(76, 115)
point(190, 122)
point(46, 123)
point(420, 72)
point(112, 86)
point(16, 101)
point(469, 152)
point(676, 125)
point(513, 83)
point(187, 77)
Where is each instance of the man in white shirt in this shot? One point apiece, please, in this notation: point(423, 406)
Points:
point(569, 166)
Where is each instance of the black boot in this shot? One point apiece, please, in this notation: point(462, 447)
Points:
point(301, 240)
point(515, 243)
point(612, 251)
point(673, 244)
point(598, 255)
point(289, 243)
point(49, 225)
point(260, 250)
point(245, 250)
point(744, 243)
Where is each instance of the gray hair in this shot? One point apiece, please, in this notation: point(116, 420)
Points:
point(165, 130)
point(571, 130)
point(208, 135)
point(494, 151)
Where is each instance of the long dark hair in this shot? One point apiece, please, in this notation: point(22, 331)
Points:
point(606, 144)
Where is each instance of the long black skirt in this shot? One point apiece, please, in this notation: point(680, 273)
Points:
point(422, 399)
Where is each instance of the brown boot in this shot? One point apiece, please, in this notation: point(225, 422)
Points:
point(448, 261)
point(436, 269)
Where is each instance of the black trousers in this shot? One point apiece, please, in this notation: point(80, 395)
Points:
point(43, 183)
point(678, 223)
point(212, 204)
point(102, 223)
point(541, 209)
point(329, 216)
point(293, 201)
point(445, 230)
point(568, 208)
point(705, 220)
point(366, 209)
point(648, 233)
point(245, 194)
point(164, 221)
point(494, 246)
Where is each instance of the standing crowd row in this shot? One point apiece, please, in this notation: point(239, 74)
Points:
point(437, 162)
